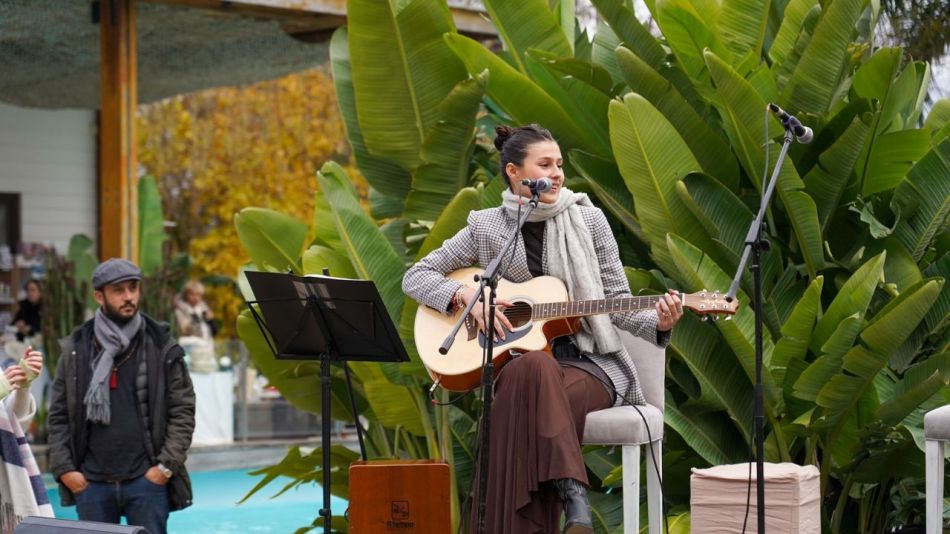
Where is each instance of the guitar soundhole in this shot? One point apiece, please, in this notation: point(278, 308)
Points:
point(519, 314)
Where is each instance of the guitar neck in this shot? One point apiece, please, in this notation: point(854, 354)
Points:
point(556, 310)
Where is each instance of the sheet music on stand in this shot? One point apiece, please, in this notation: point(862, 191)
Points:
point(353, 313)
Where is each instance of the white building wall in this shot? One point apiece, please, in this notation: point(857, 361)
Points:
point(49, 157)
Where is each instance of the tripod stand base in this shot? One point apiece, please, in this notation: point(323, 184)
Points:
point(792, 499)
point(400, 496)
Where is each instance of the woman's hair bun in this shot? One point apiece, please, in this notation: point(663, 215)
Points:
point(502, 133)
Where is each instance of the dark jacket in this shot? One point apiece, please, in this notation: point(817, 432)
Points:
point(169, 405)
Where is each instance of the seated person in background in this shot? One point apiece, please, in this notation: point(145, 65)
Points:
point(193, 315)
point(27, 319)
point(22, 492)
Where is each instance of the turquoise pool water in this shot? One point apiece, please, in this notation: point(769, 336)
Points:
point(215, 511)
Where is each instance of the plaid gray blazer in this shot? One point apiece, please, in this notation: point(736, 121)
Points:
point(479, 243)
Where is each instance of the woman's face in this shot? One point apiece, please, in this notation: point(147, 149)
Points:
point(33, 293)
point(543, 160)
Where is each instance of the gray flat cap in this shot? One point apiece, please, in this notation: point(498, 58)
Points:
point(113, 271)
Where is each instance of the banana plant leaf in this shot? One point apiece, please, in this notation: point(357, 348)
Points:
point(826, 182)
point(152, 234)
point(710, 436)
point(323, 226)
point(606, 182)
point(528, 24)
point(816, 375)
point(818, 74)
point(853, 298)
point(446, 151)
point(652, 157)
point(372, 256)
point(317, 258)
point(602, 54)
point(793, 19)
point(690, 37)
point(796, 333)
point(607, 510)
point(381, 173)
point(624, 24)
point(401, 71)
point(708, 147)
point(923, 201)
point(939, 115)
point(891, 157)
point(742, 107)
point(520, 97)
point(742, 25)
point(272, 239)
point(784, 70)
point(308, 468)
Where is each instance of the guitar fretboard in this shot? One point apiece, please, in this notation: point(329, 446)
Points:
point(551, 310)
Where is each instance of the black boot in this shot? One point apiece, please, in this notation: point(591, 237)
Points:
point(576, 508)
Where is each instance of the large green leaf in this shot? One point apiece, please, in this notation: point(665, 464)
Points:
point(742, 25)
point(152, 235)
point(690, 34)
point(317, 258)
point(710, 149)
point(446, 151)
point(401, 71)
point(722, 383)
point(820, 70)
point(520, 97)
point(606, 182)
point(810, 381)
point(923, 201)
point(891, 157)
point(652, 157)
point(796, 333)
point(793, 19)
point(624, 24)
point(273, 240)
point(602, 53)
point(452, 219)
point(742, 108)
point(528, 24)
point(710, 436)
point(826, 182)
point(853, 298)
point(372, 256)
point(381, 173)
point(939, 115)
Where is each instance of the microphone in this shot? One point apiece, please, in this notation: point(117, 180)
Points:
point(540, 185)
point(803, 134)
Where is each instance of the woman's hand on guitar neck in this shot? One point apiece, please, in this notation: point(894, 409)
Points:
point(501, 322)
point(669, 310)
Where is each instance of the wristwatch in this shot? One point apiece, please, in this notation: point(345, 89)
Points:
point(165, 471)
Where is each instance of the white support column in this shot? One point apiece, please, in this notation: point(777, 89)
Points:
point(631, 489)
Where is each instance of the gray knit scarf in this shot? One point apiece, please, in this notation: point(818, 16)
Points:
point(113, 338)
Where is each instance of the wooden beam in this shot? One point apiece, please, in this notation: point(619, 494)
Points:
point(469, 18)
point(118, 199)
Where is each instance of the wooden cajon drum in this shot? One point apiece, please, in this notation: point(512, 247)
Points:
point(792, 499)
point(406, 496)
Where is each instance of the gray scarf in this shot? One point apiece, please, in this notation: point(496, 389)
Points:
point(114, 339)
point(572, 258)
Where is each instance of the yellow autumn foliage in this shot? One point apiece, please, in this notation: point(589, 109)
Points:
point(217, 151)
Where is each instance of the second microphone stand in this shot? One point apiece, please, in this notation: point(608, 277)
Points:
point(755, 244)
point(488, 278)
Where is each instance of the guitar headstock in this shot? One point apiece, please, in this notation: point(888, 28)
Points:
point(709, 303)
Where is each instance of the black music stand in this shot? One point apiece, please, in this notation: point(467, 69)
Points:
point(327, 319)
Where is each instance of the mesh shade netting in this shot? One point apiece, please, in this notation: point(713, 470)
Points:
point(49, 52)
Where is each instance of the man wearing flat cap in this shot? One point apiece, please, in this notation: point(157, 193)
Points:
point(122, 410)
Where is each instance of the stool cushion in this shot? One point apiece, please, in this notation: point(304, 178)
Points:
point(622, 425)
point(936, 424)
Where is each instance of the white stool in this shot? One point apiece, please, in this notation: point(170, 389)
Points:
point(623, 426)
point(937, 433)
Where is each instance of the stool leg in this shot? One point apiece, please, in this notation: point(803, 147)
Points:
point(654, 487)
point(934, 486)
point(631, 488)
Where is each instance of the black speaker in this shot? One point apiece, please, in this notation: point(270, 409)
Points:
point(46, 525)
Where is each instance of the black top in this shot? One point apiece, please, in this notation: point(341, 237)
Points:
point(29, 313)
point(117, 451)
point(533, 235)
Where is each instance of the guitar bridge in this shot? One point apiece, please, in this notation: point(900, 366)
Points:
point(471, 326)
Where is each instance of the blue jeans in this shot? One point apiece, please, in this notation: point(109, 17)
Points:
point(142, 502)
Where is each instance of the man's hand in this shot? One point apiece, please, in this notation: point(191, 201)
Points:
point(155, 476)
point(501, 322)
point(75, 481)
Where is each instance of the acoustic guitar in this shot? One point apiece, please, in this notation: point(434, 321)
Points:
point(540, 313)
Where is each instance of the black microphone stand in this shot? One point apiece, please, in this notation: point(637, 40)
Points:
point(755, 245)
point(488, 278)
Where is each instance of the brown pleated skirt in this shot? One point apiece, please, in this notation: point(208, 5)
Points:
point(537, 424)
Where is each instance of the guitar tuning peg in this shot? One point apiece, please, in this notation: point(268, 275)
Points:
point(728, 317)
point(717, 318)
